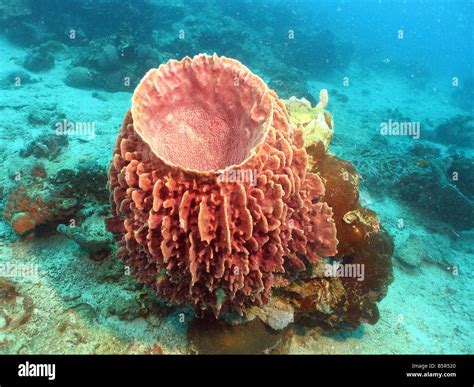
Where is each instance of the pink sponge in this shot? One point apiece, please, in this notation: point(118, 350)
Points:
point(210, 190)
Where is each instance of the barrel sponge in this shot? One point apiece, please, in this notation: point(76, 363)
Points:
point(210, 190)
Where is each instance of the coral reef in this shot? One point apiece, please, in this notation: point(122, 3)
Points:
point(100, 66)
point(185, 225)
point(139, 35)
point(68, 195)
point(36, 203)
point(88, 180)
point(24, 32)
point(380, 166)
point(111, 65)
point(277, 314)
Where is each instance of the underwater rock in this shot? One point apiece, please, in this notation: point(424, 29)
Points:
point(277, 314)
point(419, 250)
point(108, 65)
point(35, 203)
point(337, 298)
point(99, 96)
point(25, 34)
point(339, 96)
point(89, 179)
point(45, 146)
point(68, 195)
point(15, 308)
point(184, 224)
point(411, 252)
point(53, 47)
point(125, 308)
point(461, 171)
point(91, 235)
point(80, 77)
point(108, 59)
point(457, 130)
point(396, 115)
point(18, 78)
point(38, 170)
point(148, 56)
point(39, 60)
point(211, 337)
point(313, 296)
point(39, 118)
point(435, 191)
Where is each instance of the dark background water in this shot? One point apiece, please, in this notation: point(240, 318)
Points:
point(438, 34)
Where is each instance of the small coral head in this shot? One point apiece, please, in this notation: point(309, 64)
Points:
point(207, 113)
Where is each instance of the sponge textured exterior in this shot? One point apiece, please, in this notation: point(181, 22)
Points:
point(210, 189)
